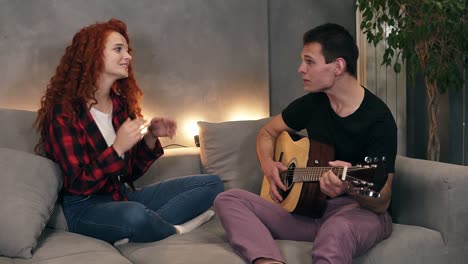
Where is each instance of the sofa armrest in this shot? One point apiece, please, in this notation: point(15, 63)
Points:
point(433, 195)
point(174, 163)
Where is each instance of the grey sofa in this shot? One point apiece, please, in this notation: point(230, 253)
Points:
point(429, 207)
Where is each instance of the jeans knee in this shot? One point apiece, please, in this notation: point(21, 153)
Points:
point(336, 242)
point(137, 216)
point(339, 230)
point(147, 225)
point(217, 184)
point(228, 197)
point(342, 224)
point(214, 182)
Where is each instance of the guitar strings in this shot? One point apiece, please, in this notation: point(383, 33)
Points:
point(353, 168)
point(315, 173)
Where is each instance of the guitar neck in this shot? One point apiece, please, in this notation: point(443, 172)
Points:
point(313, 174)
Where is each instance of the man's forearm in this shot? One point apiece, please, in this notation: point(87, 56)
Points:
point(377, 205)
point(265, 146)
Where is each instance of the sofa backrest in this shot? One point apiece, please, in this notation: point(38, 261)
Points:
point(433, 195)
point(17, 131)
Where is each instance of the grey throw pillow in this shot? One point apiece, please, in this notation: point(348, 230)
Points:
point(28, 190)
point(228, 150)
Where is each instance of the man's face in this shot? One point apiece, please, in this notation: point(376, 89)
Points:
point(316, 74)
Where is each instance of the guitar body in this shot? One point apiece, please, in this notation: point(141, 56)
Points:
point(303, 198)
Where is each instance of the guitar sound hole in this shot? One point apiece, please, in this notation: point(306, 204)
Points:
point(288, 180)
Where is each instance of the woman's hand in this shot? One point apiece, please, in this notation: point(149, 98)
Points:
point(162, 127)
point(129, 133)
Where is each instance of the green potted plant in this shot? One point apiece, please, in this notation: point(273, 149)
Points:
point(431, 37)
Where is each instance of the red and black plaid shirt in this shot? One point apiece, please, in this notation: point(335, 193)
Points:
point(88, 165)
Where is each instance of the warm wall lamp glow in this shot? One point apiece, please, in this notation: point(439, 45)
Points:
point(191, 130)
point(188, 128)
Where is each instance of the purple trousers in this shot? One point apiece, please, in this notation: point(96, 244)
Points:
point(345, 230)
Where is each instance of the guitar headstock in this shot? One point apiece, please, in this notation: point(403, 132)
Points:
point(369, 177)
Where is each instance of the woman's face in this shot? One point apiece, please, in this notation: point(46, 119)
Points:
point(116, 57)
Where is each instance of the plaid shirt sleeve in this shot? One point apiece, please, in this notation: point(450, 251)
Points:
point(140, 159)
point(83, 174)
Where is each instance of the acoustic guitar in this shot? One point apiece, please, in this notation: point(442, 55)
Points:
point(307, 160)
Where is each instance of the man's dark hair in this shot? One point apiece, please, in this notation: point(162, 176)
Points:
point(336, 42)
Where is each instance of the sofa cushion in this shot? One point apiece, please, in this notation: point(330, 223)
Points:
point(19, 133)
point(228, 150)
point(407, 244)
point(174, 163)
point(57, 218)
point(28, 191)
point(57, 247)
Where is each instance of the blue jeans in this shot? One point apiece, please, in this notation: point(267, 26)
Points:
point(149, 215)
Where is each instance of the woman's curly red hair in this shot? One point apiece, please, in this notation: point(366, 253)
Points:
point(79, 69)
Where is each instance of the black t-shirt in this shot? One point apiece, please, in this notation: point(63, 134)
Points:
point(369, 131)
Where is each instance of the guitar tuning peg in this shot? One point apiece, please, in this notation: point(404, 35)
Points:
point(367, 159)
point(384, 159)
point(376, 159)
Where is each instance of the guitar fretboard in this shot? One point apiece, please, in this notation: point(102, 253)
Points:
point(311, 174)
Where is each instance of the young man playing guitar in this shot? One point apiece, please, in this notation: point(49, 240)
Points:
point(336, 111)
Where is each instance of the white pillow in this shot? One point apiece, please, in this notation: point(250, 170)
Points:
point(228, 150)
point(29, 186)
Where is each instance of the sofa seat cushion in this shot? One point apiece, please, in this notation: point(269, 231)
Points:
point(5, 260)
point(57, 247)
point(208, 244)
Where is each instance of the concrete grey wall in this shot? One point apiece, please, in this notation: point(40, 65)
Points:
point(213, 60)
point(288, 22)
point(194, 59)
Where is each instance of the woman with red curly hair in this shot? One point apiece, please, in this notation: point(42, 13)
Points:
point(90, 123)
